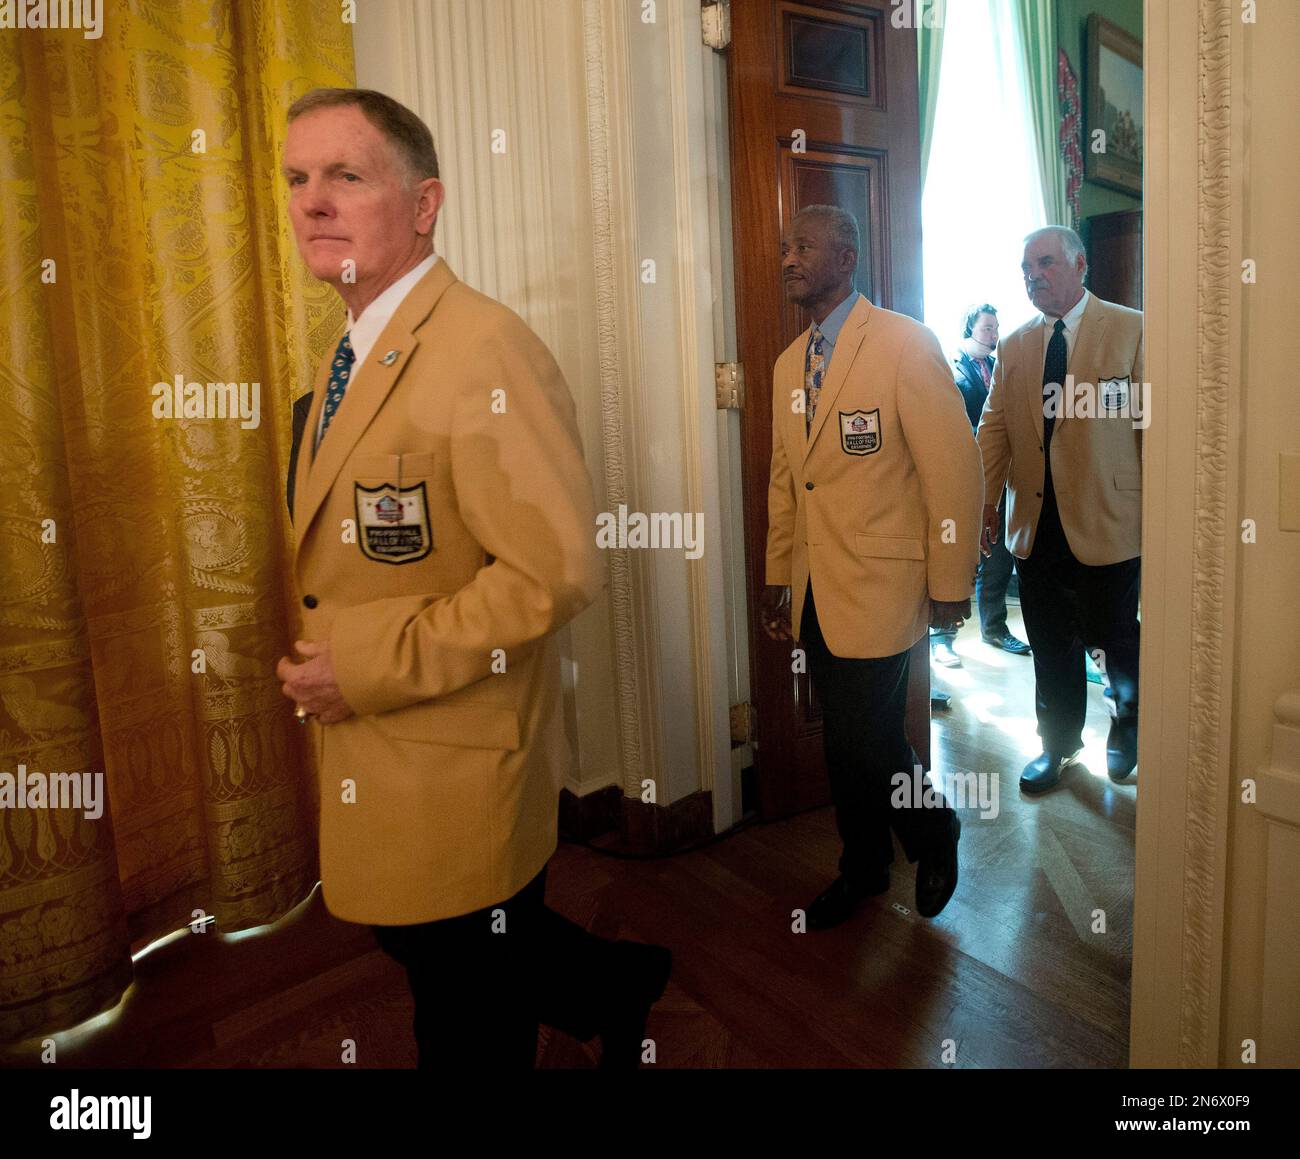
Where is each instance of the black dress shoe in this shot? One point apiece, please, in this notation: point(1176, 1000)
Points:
point(841, 898)
point(1121, 749)
point(940, 700)
point(1008, 643)
point(637, 977)
point(936, 873)
point(1044, 771)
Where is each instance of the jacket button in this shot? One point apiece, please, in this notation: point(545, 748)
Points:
point(1038, 493)
point(807, 486)
point(309, 601)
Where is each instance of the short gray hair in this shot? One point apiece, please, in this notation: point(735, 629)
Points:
point(840, 223)
point(406, 132)
point(1071, 242)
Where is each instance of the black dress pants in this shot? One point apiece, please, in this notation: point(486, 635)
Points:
point(1068, 606)
point(992, 580)
point(482, 983)
point(864, 705)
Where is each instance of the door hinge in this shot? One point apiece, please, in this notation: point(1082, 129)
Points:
point(730, 380)
point(742, 724)
point(715, 19)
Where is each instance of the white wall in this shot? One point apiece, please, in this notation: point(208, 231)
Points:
point(1262, 927)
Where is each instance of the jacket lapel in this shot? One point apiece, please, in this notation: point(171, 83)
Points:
point(371, 385)
point(1032, 359)
point(846, 350)
point(1085, 358)
point(793, 425)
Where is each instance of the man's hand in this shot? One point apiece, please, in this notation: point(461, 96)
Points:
point(774, 611)
point(991, 531)
point(312, 683)
point(949, 613)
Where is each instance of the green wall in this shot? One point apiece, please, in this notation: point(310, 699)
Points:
point(1072, 35)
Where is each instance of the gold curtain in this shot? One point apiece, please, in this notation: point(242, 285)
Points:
point(145, 586)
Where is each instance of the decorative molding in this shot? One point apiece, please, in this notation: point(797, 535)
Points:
point(686, 160)
point(1207, 725)
point(1193, 306)
point(622, 600)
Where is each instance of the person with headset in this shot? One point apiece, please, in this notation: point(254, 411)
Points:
point(973, 371)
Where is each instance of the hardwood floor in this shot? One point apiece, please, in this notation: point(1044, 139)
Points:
point(1011, 974)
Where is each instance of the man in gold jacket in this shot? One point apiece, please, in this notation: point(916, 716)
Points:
point(873, 526)
point(1062, 428)
point(445, 531)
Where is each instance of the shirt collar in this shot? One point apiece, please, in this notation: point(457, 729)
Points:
point(831, 326)
point(1071, 317)
point(364, 332)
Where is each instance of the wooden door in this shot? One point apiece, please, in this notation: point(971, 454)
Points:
point(1114, 242)
point(823, 109)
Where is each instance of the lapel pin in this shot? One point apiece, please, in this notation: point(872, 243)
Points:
point(389, 358)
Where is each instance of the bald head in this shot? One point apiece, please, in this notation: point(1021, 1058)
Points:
point(819, 256)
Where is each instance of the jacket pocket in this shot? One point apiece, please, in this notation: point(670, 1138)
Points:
point(373, 467)
point(890, 546)
point(473, 726)
point(1128, 480)
point(417, 466)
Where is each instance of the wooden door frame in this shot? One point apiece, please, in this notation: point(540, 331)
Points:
point(1190, 579)
point(1193, 219)
point(886, 147)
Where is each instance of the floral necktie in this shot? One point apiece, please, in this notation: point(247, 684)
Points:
point(814, 371)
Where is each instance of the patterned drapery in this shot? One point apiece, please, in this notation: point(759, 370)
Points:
point(1036, 22)
point(145, 587)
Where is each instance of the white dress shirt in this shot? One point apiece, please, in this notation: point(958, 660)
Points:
point(1071, 318)
point(365, 331)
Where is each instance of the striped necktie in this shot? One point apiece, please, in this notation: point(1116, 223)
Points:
point(340, 372)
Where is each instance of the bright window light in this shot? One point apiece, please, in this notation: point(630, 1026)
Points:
point(982, 189)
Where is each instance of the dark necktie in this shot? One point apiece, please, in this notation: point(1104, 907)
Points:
point(1053, 380)
point(340, 372)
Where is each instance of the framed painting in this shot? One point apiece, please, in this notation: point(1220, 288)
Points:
point(1112, 146)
